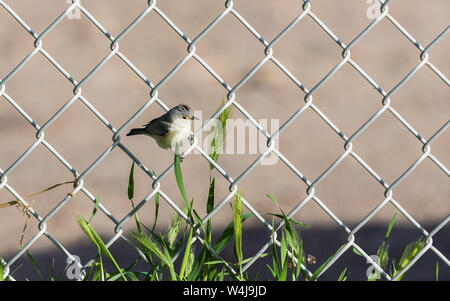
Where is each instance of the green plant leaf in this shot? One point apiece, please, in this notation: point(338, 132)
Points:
point(237, 222)
point(136, 218)
point(437, 271)
point(391, 225)
point(95, 238)
point(319, 270)
point(179, 179)
point(299, 258)
point(216, 143)
point(156, 211)
point(131, 183)
point(35, 266)
point(342, 276)
point(198, 264)
point(284, 258)
point(210, 207)
point(408, 255)
point(275, 261)
point(383, 256)
point(243, 261)
point(99, 274)
point(130, 275)
point(187, 252)
point(272, 271)
point(97, 202)
point(356, 251)
point(88, 273)
point(131, 195)
point(283, 249)
point(1, 270)
point(175, 226)
point(276, 202)
point(227, 235)
point(151, 248)
point(291, 220)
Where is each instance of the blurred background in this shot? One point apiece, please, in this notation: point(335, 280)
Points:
point(347, 99)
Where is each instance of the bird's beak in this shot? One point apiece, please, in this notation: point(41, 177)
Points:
point(194, 118)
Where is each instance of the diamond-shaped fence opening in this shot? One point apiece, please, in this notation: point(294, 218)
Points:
point(92, 167)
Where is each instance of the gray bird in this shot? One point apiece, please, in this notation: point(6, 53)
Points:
point(169, 129)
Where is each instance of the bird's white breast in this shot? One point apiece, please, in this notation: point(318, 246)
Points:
point(180, 130)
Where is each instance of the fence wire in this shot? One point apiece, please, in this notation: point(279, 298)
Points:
point(267, 47)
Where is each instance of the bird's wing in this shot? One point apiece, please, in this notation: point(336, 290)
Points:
point(158, 127)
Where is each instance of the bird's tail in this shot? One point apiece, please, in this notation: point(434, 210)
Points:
point(137, 131)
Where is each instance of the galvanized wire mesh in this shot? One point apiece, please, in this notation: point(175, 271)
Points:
point(267, 47)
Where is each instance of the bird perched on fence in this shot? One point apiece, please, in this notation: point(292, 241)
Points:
point(169, 129)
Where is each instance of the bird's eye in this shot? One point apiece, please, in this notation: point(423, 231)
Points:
point(184, 117)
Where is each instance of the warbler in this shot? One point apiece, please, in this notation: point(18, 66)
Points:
point(170, 129)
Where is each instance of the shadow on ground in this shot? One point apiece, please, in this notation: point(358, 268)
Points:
point(319, 242)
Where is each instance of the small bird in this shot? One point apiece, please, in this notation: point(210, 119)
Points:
point(169, 129)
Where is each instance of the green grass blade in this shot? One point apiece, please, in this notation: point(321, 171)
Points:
point(274, 274)
point(173, 275)
point(209, 208)
point(383, 255)
point(275, 262)
point(99, 274)
point(88, 273)
point(356, 251)
point(391, 225)
point(284, 258)
point(342, 276)
point(199, 221)
point(131, 183)
point(220, 244)
point(276, 203)
point(227, 235)
point(114, 277)
point(52, 270)
point(89, 230)
point(35, 266)
point(84, 226)
point(187, 252)
point(210, 272)
point(1, 270)
point(216, 144)
point(206, 256)
point(291, 220)
point(136, 218)
point(175, 226)
point(243, 261)
point(319, 270)
point(221, 275)
point(156, 211)
point(131, 195)
point(179, 179)
point(198, 264)
point(437, 271)
point(408, 255)
point(287, 221)
point(151, 248)
point(132, 276)
point(210, 201)
point(97, 202)
point(237, 222)
point(283, 250)
point(299, 258)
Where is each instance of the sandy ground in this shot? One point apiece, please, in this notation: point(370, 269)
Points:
point(347, 99)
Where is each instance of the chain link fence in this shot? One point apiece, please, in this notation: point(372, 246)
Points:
point(232, 99)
